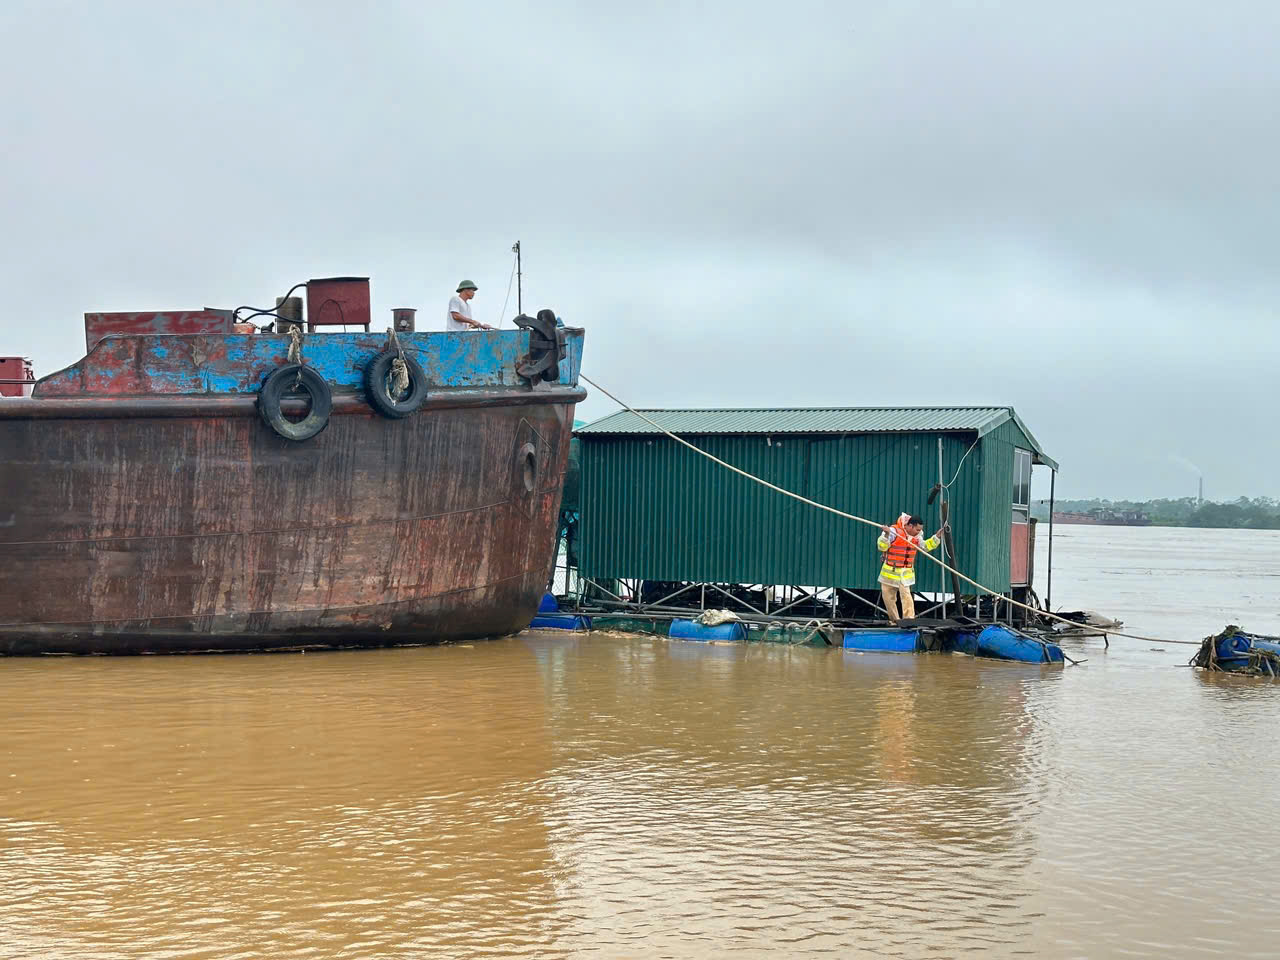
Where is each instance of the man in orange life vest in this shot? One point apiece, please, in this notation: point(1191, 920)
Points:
point(898, 575)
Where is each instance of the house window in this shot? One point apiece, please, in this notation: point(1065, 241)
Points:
point(1021, 485)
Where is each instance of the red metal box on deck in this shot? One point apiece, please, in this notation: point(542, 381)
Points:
point(338, 300)
point(16, 377)
point(99, 325)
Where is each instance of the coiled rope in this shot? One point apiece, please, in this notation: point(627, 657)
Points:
point(863, 520)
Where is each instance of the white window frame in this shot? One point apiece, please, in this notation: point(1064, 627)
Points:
point(1021, 511)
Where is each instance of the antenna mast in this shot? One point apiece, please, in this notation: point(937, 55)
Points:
point(519, 304)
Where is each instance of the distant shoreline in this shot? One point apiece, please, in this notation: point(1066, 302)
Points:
point(1259, 513)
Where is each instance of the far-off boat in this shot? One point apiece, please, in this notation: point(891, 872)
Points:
point(195, 483)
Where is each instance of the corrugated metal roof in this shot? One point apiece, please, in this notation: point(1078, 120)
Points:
point(805, 420)
point(776, 420)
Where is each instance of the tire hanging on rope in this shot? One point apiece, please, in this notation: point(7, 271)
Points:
point(294, 378)
point(395, 383)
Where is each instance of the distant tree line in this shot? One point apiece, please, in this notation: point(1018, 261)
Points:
point(1259, 513)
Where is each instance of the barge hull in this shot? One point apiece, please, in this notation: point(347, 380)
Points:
point(137, 533)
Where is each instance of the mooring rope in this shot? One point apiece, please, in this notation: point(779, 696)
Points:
point(295, 344)
point(295, 352)
point(399, 369)
point(864, 520)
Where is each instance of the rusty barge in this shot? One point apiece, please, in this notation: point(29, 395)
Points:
point(195, 483)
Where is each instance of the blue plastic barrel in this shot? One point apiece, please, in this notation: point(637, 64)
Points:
point(548, 604)
point(1270, 646)
point(882, 641)
point(961, 641)
point(692, 630)
point(1233, 651)
point(560, 621)
point(1003, 643)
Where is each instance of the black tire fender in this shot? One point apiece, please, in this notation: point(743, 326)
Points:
point(292, 378)
point(377, 385)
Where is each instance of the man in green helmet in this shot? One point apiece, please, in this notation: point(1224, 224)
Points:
point(459, 317)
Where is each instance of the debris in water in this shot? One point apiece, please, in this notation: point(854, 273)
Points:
point(1234, 651)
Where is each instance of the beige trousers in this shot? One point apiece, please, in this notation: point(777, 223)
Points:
point(891, 592)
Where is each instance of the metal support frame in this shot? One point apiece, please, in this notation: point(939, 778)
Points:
point(794, 596)
point(609, 592)
point(1048, 590)
point(874, 606)
point(737, 600)
point(804, 595)
point(661, 603)
point(655, 603)
point(936, 604)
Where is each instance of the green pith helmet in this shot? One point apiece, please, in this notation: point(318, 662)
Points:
point(466, 285)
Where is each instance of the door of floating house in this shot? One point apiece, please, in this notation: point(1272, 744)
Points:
point(1020, 526)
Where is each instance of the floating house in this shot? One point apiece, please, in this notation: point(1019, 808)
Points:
point(652, 517)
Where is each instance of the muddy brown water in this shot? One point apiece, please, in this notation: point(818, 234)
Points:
point(563, 796)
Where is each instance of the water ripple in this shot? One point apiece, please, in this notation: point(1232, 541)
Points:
point(554, 796)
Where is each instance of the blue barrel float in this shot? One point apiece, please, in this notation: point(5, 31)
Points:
point(883, 640)
point(692, 630)
point(1235, 651)
point(1004, 643)
point(550, 618)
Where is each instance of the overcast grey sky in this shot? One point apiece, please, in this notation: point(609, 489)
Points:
point(1071, 208)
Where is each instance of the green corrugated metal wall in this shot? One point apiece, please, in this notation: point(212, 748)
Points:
point(654, 510)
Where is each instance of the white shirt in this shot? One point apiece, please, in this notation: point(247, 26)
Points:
point(457, 305)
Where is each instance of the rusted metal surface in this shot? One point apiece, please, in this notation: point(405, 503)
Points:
point(99, 325)
point(145, 506)
point(238, 364)
point(335, 301)
point(17, 377)
point(135, 533)
point(106, 408)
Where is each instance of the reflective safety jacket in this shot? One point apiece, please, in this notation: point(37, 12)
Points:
point(900, 555)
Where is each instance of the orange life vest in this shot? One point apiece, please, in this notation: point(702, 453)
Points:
point(902, 551)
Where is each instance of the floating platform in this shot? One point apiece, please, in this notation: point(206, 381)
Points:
point(991, 641)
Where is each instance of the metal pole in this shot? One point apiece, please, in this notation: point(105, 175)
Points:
point(1048, 590)
point(942, 513)
point(519, 301)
